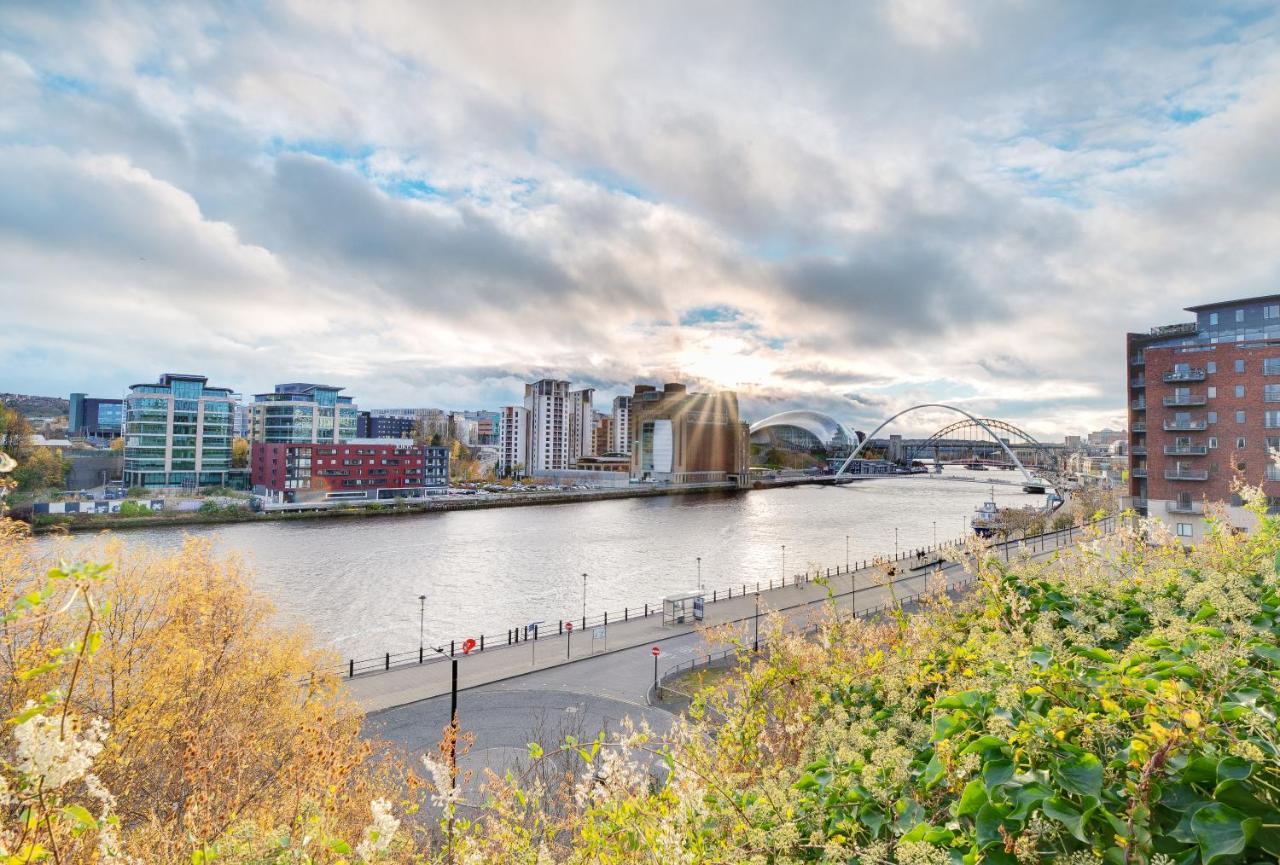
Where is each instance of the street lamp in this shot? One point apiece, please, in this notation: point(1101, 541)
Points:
point(935, 534)
point(699, 573)
point(422, 618)
point(846, 554)
point(584, 601)
point(895, 542)
point(784, 564)
point(756, 644)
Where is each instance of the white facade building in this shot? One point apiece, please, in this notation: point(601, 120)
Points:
point(547, 402)
point(581, 424)
point(513, 440)
point(621, 425)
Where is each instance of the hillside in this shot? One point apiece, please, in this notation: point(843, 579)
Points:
point(35, 406)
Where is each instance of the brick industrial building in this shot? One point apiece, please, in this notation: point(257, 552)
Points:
point(355, 471)
point(1204, 410)
point(683, 437)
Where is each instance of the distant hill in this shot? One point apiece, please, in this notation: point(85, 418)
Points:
point(36, 406)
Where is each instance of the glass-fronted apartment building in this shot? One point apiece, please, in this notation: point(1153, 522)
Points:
point(302, 413)
point(178, 433)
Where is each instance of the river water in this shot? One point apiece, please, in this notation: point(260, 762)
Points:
point(356, 583)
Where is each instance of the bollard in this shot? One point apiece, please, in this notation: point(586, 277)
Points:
point(584, 623)
point(419, 654)
point(508, 636)
point(625, 613)
point(713, 596)
point(451, 648)
point(731, 593)
point(351, 668)
point(561, 626)
point(646, 611)
point(482, 642)
point(388, 660)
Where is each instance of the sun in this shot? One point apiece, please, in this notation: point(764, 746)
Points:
point(725, 361)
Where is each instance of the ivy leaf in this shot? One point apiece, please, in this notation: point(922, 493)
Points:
point(1065, 813)
point(81, 815)
point(1222, 831)
point(973, 798)
point(1082, 775)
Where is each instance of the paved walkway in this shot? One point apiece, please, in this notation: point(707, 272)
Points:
point(619, 665)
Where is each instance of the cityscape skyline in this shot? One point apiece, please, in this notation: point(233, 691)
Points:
point(428, 207)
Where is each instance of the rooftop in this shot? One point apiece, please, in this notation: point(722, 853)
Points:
point(1247, 301)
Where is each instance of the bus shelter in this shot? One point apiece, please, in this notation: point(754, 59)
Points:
point(683, 607)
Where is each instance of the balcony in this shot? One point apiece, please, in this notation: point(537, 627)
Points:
point(1184, 375)
point(1139, 427)
point(1184, 507)
point(1140, 381)
point(1138, 473)
point(1190, 399)
point(1184, 425)
point(1182, 328)
point(1138, 360)
point(1186, 475)
point(1185, 450)
point(1139, 450)
point(1138, 405)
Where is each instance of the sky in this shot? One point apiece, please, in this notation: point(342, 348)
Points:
point(848, 207)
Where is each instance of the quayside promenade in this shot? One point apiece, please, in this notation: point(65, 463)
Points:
point(621, 659)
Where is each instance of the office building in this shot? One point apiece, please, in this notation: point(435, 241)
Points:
point(376, 425)
point(487, 424)
point(513, 441)
point(299, 412)
point(683, 437)
point(93, 417)
point(621, 425)
point(581, 424)
point(178, 433)
point(1204, 410)
point(357, 470)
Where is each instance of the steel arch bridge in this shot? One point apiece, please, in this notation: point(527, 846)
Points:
point(987, 425)
point(960, 434)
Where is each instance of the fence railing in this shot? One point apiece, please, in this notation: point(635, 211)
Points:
point(432, 652)
point(1105, 525)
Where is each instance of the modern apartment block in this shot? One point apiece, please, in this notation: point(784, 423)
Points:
point(376, 425)
point(299, 412)
point(178, 433)
point(621, 425)
point(602, 434)
point(1204, 410)
point(547, 402)
point(513, 440)
point(683, 437)
point(370, 470)
point(581, 424)
point(93, 417)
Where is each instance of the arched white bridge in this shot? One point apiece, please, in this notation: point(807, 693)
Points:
point(844, 467)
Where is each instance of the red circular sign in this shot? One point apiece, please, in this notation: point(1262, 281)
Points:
point(568, 626)
point(467, 645)
point(656, 651)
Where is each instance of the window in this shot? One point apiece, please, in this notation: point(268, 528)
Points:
point(1271, 419)
point(1273, 444)
point(1240, 366)
point(1240, 443)
point(1240, 417)
point(1211, 417)
point(1272, 311)
point(1271, 366)
point(1211, 366)
point(1271, 393)
point(1213, 391)
point(1239, 315)
point(1273, 472)
point(1239, 391)
point(1184, 530)
point(1213, 318)
point(1213, 442)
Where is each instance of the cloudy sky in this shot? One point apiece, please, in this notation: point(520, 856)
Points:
point(852, 207)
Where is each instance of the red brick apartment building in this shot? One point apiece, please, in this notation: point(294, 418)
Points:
point(350, 471)
point(1204, 408)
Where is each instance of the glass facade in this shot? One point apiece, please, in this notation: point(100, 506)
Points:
point(178, 434)
point(302, 414)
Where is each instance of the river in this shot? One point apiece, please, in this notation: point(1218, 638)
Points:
point(356, 583)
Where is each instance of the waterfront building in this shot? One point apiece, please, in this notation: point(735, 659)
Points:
point(547, 402)
point(683, 437)
point(1204, 410)
point(356, 470)
point(602, 434)
point(487, 423)
point(377, 425)
point(513, 444)
point(462, 428)
point(581, 423)
point(300, 412)
point(94, 417)
point(621, 425)
point(178, 433)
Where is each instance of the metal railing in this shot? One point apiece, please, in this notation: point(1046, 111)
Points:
point(1139, 427)
point(1105, 525)
point(1185, 450)
point(1139, 450)
point(1185, 475)
point(1140, 381)
point(1188, 425)
point(1184, 375)
point(1190, 399)
point(435, 652)
point(1138, 405)
point(1184, 507)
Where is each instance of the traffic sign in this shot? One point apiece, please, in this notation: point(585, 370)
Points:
point(568, 626)
point(467, 645)
point(656, 651)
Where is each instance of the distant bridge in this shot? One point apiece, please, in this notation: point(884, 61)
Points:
point(968, 423)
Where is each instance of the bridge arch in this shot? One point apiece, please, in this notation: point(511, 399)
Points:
point(970, 418)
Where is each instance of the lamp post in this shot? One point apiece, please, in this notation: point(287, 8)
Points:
point(784, 564)
point(699, 573)
point(846, 554)
point(584, 601)
point(895, 542)
point(756, 642)
point(935, 534)
point(422, 618)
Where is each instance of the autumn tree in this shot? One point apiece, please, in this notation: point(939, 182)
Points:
point(239, 453)
point(43, 468)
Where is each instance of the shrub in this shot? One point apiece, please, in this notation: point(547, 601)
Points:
point(134, 509)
